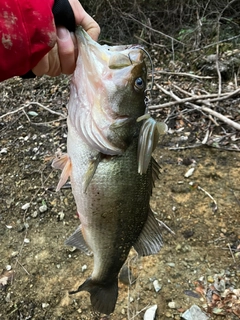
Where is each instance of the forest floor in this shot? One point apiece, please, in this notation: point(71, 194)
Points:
point(198, 265)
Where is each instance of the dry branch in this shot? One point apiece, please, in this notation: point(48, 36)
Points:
point(29, 104)
point(184, 74)
point(201, 99)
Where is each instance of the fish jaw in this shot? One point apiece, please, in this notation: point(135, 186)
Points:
point(104, 80)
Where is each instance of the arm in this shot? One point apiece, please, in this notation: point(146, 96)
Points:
point(27, 33)
point(30, 41)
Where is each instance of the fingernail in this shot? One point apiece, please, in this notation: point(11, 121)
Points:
point(63, 33)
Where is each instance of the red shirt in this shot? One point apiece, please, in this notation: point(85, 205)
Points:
point(27, 33)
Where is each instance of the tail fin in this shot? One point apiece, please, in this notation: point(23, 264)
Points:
point(103, 296)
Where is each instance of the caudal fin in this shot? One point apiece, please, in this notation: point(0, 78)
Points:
point(103, 296)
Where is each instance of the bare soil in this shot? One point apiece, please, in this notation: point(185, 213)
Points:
point(37, 270)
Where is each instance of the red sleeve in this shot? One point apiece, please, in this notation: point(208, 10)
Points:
point(27, 33)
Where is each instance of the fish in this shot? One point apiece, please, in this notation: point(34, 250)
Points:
point(109, 161)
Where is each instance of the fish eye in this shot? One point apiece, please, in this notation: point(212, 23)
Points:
point(139, 84)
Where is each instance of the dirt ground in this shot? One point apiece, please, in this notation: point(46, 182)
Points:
point(37, 270)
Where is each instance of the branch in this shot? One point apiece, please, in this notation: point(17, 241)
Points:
point(218, 115)
point(184, 74)
point(33, 103)
point(129, 16)
point(199, 99)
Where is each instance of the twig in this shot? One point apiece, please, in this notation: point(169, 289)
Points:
point(214, 44)
point(165, 226)
point(33, 103)
point(231, 252)
point(219, 116)
point(23, 267)
point(184, 74)
point(196, 145)
point(199, 99)
point(207, 193)
point(182, 90)
point(131, 17)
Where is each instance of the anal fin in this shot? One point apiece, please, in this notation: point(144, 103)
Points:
point(77, 240)
point(150, 240)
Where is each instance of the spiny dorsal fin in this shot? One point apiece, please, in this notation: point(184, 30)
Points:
point(150, 240)
point(76, 240)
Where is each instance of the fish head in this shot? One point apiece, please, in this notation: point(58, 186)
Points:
point(107, 94)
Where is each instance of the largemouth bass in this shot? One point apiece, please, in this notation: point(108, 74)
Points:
point(109, 163)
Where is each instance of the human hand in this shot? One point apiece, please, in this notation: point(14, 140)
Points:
point(62, 58)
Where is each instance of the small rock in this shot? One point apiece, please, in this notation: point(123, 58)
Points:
point(189, 172)
point(61, 215)
point(43, 208)
point(210, 279)
point(3, 151)
point(194, 313)
point(26, 206)
point(173, 305)
point(150, 313)
point(157, 285)
point(84, 267)
point(26, 240)
point(171, 264)
point(34, 214)
point(26, 225)
point(7, 298)
point(168, 314)
point(45, 305)
point(14, 254)
point(178, 247)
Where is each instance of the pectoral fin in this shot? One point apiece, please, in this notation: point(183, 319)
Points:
point(76, 240)
point(148, 139)
point(62, 162)
point(150, 240)
point(92, 167)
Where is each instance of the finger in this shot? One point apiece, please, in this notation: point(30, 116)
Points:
point(49, 64)
point(66, 50)
point(54, 62)
point(85, 20)
point(42, 67)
